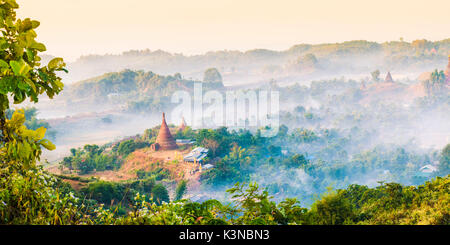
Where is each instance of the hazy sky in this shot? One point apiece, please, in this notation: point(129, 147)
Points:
point(71, 28)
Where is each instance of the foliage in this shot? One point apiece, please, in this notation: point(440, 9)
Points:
point(160, 194)
point(32, 122)
point(118, 193)
point(92, 157)
point(129, 146)
point(27, 194)
point(257, 208)
point(435, 86)
point(180, 190)
point(331, 209)
point(212, 75)
point(21, 77)
point(444, 162)
point(157, 174)
point(375, 75)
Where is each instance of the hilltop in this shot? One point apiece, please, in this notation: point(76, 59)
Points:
point(357, 56)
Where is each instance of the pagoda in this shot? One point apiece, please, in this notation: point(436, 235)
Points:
point(182, 125)
point(165, 141)
point(388, 78)
point(362, 86)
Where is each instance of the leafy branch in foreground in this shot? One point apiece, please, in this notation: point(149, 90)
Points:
point(21, 74)
point(27, 195)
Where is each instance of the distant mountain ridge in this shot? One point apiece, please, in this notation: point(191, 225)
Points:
point(360, 55)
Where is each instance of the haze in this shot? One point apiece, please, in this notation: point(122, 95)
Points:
point(71, 28)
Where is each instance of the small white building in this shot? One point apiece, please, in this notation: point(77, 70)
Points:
point(185, 141)
point(208, 166)
point(428, 169)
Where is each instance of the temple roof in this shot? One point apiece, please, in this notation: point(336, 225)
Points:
point(165, 139)
point(388, 78)
point(183, 124)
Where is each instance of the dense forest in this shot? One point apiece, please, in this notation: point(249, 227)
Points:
point(33, 197)
point(329, 158)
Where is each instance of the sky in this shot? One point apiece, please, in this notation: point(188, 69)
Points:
point(71, 28)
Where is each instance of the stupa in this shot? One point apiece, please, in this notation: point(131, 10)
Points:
point(182, 125)
point(164, 140)
point(388, 78)
point(362, 86)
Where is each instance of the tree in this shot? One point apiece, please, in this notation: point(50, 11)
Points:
point(332, 209)
point(160, 194)
point(91, 148)
point(73, 151)
point(212, 75)
point(181, 190)
point(300, 109)
point(27, 194)
point(436, 84)
point(307, 62)
point(283, 131)
point(444, 162)
point(21, 76)
point(375, 75)
point(298, 160)
point(212, 145)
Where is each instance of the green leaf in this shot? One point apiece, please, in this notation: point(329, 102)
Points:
point(26, 25)
point(35, 24)
point(29, 82)
point(19, 97)
point(3, 64)
point(41, 133)
point(56, 64)
point(47, 144)
point(23, 85)
point(20, 68)
point(12, 3)
point(43, 76)
point(38, 46)
point(30, 54)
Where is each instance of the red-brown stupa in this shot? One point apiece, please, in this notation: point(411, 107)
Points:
point(182, 125)
point(165, 140)
point(388, 78)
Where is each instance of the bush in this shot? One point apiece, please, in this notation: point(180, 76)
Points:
point(181, 190)
point(129, 146)
point(160, 194)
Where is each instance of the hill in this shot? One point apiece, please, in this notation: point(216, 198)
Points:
point(130, 90)
point(356, 56)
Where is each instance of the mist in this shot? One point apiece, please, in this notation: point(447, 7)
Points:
point(336, 113)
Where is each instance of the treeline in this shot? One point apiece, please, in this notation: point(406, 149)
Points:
point(395, 54)
point(101, 158)
point(55, 203)
point(137, 90)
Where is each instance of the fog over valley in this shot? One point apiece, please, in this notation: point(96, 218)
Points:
point(282, 122)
